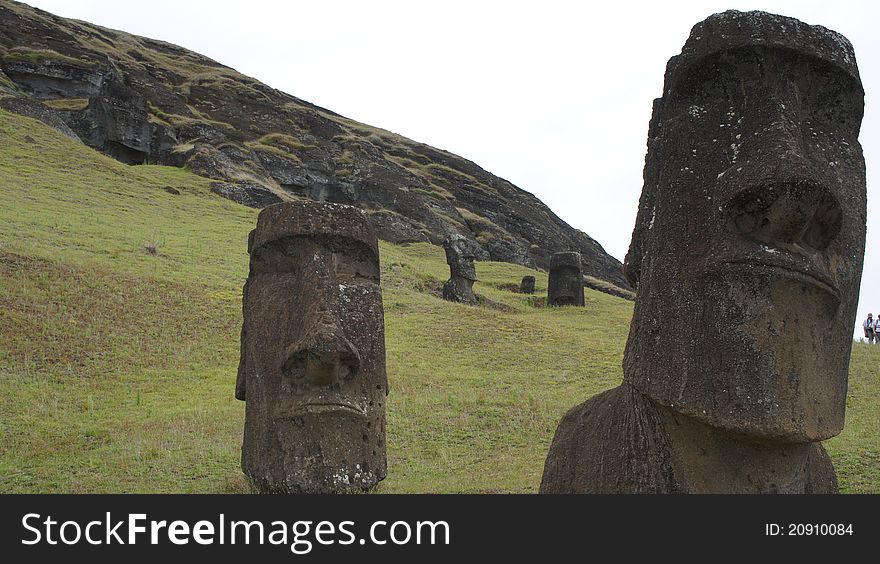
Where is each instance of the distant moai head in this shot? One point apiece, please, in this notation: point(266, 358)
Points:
point(312, 368)
point(460, 255)
point(565, 285)
point(750, 234)
point(527, 286)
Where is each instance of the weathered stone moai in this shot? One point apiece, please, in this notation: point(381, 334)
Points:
point(460, 254)
point(527, 286)
point(312, 368)
point(747, 253)
point(565, 285)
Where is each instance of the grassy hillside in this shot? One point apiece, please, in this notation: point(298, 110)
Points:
point(119, 324)
point(230, 127)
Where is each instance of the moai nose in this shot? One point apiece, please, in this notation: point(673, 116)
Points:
point(779, 130)
point(789, 212)
point(322, 358)
point(790, 207)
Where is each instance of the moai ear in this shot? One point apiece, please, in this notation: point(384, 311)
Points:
point(632, 264)
point(241, 378)
point(250, 243)
point(241, 381)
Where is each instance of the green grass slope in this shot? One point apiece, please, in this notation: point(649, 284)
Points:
point(119, 322)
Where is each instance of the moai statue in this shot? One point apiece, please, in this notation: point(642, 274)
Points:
point(460, 254)
point(565, 285)
point(312, 368)
point(527, 286)
point(747, 253)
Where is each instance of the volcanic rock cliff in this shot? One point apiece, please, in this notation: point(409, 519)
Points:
point(141, 100)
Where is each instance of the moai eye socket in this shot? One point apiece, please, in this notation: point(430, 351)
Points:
point(355, 266)
point(281, 256)
point(708, 81)
point(831, 100)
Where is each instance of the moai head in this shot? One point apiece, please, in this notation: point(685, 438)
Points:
point(527, 286)
point(460, 255)
point(312, 367)
point(750, 235)
point(565, 285)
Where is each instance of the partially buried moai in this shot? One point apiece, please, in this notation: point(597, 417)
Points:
point(527, 286)
point(747, 252)
point(565, 285)
point(460, 254)
point(312, 368)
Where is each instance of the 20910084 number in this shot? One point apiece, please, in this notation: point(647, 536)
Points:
point(819, 529)
point(808, 529)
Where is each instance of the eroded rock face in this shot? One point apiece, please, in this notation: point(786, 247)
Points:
point(25, 106)
point(747, 253)
point(312, 369)
point(248, 194)
point(101, 109)
point(565, 285)
point(460, 255)
point(527, 286)
point(59, 79)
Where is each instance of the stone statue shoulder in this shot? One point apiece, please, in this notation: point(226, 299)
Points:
point(612, 443)
point(619, 442)
point(821, 476)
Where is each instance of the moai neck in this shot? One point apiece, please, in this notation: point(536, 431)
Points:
point(709, 459)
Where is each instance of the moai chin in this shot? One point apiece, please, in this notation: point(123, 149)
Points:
point(460, 254)
point(527, 286)
point(565, 285)
point(312, 368)
point(747, 252)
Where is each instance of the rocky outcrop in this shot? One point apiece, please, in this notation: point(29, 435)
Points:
point(141, 100)
point(14, 100)
point(250, 195)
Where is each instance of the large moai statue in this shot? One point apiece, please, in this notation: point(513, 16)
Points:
point(312, 368)
point(747, 253)
point(527, 286)
point(460, 255)
point(565, 285)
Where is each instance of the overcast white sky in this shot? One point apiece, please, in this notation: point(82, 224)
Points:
point(553, 96)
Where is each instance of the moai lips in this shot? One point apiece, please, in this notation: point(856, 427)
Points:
point(747, 252)
point(312, 369)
